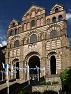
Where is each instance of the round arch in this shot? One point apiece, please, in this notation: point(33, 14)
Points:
point(16, 68)
point(33, 61)
point(52, 63)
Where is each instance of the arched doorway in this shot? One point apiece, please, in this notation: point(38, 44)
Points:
point(34, 62)
point(53, 65)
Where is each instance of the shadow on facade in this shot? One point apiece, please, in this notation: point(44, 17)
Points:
point(16, 88)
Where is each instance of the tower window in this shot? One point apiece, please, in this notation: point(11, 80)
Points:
point(33, 38)
point(54, 19)
point(13, 24)
point(12, 33)
point(60, 17)
point(53, 34)
point(16, 43)
point(56, 10)
point(32, 23)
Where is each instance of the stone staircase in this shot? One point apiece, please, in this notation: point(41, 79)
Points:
point(55, 84)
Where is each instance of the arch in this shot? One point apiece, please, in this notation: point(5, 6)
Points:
point(34, 62)
point(56, 10)
point(33, 59)
point(12, 33)
point(54, 19)
point(16, 43)
point(33, 38)
point(16, 68)
point(53, 34)
point(60, 17)
point(32, 23)
point(53, 64)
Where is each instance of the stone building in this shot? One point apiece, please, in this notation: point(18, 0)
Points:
point(40, 40)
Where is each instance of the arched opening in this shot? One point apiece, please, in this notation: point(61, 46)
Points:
point(53, 34)
point(60, 17)
point(33, 38)
point(53, 65)
point(56, 10)
point(54, 19)
point(16, 43)
point(33, 62)
point(17, 70)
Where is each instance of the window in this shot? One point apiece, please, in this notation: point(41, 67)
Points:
point(56, 10)
point(16, 43)
point(32, 23)
point(33, 38)
point(13, 24)
point(60, 17)
point(48, 21)
point(16, 31)
point(53, 34)
point(54, 19)
point(12, 33)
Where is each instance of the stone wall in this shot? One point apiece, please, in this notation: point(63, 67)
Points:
point(42, 88)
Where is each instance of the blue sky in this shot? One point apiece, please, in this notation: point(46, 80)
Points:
point(10, 9)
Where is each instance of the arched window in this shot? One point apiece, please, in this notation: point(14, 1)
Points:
point(16, 31)
point(33, 38)
point(60, 17)
point(53, 34)
point(16, 43)
point(53, 65)
point(13, 24)
point(12, 33)
point(32, 23)
point(54, 19)
point(56, 10)
point(48, 21)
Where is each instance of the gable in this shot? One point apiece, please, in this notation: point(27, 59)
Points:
point(56, 6)
point(33, 11)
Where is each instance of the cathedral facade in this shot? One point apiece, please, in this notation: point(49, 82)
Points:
point(39, 41)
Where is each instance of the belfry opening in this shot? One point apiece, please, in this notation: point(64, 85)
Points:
point(34, 62)
point(53, 65)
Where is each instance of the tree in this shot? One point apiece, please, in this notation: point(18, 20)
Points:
point(66, 80)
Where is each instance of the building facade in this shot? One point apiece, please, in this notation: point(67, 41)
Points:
point(40, 40)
